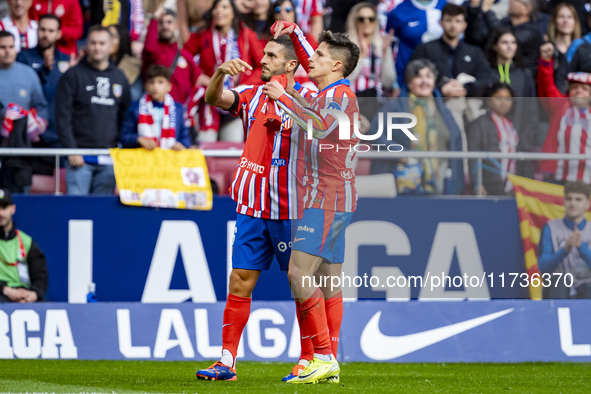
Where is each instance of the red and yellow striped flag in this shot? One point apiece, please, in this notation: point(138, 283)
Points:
point(537, 203)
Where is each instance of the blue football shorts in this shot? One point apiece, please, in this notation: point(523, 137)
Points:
point(257, 241)
point(322, 233)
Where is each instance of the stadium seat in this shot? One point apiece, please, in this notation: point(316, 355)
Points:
point(382, 185)
point(45, 184)
point(221, 169)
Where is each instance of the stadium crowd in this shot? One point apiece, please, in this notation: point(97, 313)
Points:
point(481, 75)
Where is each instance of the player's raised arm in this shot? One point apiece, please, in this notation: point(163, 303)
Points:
point(215, 94)
point(302, 47)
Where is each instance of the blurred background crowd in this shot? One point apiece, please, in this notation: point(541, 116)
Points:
point(480, 75)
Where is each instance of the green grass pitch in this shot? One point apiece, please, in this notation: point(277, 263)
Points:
point(179, 377)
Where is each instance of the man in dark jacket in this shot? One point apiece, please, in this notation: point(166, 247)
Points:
point(23, 269)
point(92, 100)
point(482, 21)
point(453, 57)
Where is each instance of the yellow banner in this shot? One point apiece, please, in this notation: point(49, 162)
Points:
point(162, 178)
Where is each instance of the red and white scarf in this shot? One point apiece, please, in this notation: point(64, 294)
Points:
point(163, 134)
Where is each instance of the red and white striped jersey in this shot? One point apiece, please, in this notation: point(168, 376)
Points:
point(569, 130)
point(573, 137)
point(330, 177)
point(268, 182)
point(329, 161)
point(24, 40)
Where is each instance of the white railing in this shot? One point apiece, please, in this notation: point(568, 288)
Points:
point(384, 155)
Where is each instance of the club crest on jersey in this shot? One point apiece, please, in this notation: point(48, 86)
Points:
point(334, 105)
point(347, 174)
point(286, 121)
point(117, 90)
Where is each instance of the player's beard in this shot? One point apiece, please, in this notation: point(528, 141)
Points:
point(267, 78)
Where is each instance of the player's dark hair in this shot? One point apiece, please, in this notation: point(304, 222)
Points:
point(577, 187)
point(288, 49)
point(341, 48)
point(451, 9)
point(157, 70)
point(51, 17)
point(5, 34)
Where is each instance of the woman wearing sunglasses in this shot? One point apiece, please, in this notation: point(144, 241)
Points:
point(375, 75)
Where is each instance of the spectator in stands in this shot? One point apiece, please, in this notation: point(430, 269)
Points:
point(578, 55)
point(226, 38)
point(18, 23)
point(128, 16)
point(284, 10)
point(50, 64)
point(161, 47)
point(375, 75)
point(70, 14)
point(565, 245)
point(121, 56)
point(3, 9)
point(244, 7)
point(580, 7)
point(569, 120)
point(563, 30)
point(436, 130)
point(462, 68)
point(93, 98)
point(192, 16)
point(25, 113)
point(155, 121)
point(309, 14)
point(519, 19)
point(23, 269)
point(494, 132)
point(259, 20)
point(504, 55)
point(414, 22)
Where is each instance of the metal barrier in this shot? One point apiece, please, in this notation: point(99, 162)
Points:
point(479, 156)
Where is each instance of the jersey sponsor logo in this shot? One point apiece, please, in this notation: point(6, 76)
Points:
point(379, 346)
point(279, 162)
point(306, 229)
point(249, 165)
point(282, 246)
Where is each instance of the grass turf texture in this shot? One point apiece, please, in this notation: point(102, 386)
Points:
point(179, 377)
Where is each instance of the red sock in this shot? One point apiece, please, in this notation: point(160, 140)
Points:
point(236, 315)
point(314, 318)
point(306, 344)
point(334, 316)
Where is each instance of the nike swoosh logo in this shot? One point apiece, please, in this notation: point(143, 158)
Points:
point(89, 88)
point(413, 24)
point(228, 324)
point(297, 239)
point(380, 347)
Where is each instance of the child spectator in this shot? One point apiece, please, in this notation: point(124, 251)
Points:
point(494, 132)
point(155, 121)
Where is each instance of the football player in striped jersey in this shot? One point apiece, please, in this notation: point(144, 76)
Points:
point(267, 187)
point(331, 198)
